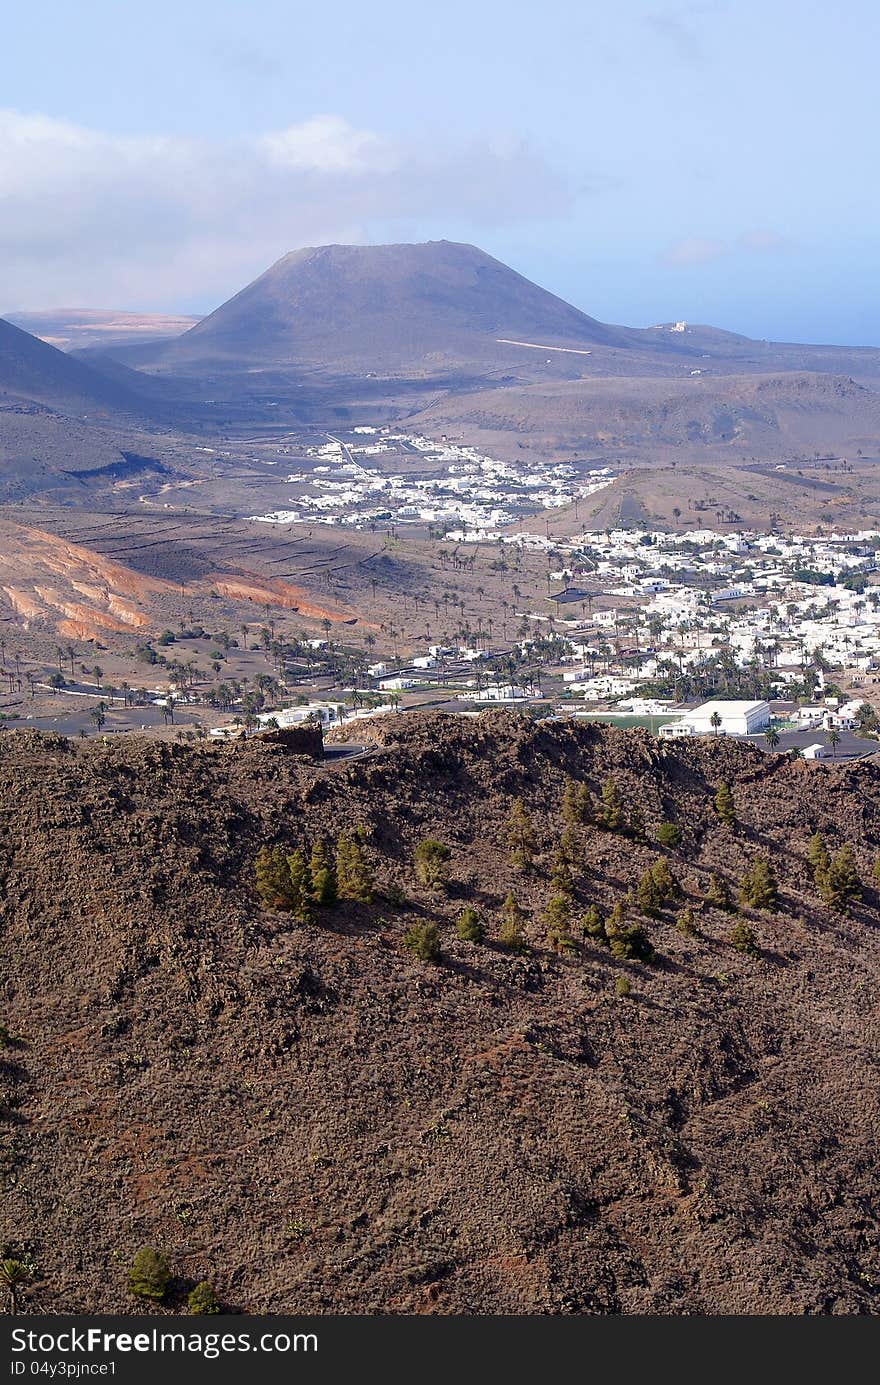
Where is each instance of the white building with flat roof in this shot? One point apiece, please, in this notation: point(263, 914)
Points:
point(731, 718)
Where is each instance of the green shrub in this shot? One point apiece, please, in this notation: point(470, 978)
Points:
point(569, 847)
point(594, 926)
point(13, 1274)
point(300, 886)
point(817, 855)
point(839, 883)
point(744, 940)
point(622, 986)
point(202, 1301)
point(521, 835)
point(560, 874)
point(424, 940)
point(650, 900)
point(469, 927)
point(322, 876)
point(668, 834)
point(430, 859)
point(627, 941)
point(718, 894)
point(354, 879)
point(577, 804)
point(724, 805)
point(149, 1274)
point(610, 811)
point(512, 921)
point(759, 888)
point(657, 886)
point(273, 878)
point(557, 921)
point(686, 923)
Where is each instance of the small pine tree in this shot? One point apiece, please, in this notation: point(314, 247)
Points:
point(354, 878)
point(202, 1301)
point(512, 922)
point(649, 898)
point(273, 878)
point(521, 836)
point(610, 812)
point(686, 923)
point(839, 884)
point(570, 813)
point(759, 888)
point(724, 805)
point(300, 886)
point(577, 804)
point(594, 926)
point(718, 895)
point(667, 885)
point(322, 876)
point(557, 921)
point(424, 940)
point(586, 812)
point(627, 941)
point(149, 1274)
point(657, 887)
point(560, 874)
point(469, 926)
point(744, 940)
point(430, 859)
point(568, 846)
point(668, 834)
point(817, 856)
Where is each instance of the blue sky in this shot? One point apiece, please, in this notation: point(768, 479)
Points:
point(648, 161)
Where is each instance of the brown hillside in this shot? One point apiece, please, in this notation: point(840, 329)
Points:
point(54, 584)
point(316, 1121)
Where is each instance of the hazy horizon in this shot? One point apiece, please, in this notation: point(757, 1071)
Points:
point(710, 162)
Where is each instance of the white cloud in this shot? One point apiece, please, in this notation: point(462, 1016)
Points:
point(693, 250)
point(763, 242)
point(328, 144)
point(703, 250)
point(96, 219)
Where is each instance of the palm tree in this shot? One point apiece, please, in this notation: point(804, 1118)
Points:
point(771, 736)
point(834, 741)
point(715, 720)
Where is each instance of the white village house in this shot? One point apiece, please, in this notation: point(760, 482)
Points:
point(734, 718)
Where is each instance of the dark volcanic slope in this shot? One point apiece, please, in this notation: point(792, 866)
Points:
point(33, 370)
point(382, 307)
point(316, 1121)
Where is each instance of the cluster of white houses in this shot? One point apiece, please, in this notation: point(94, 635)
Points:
point(464, 490)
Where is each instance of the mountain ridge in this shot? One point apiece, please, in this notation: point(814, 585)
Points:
point(501, 1132)
point(431, 292)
